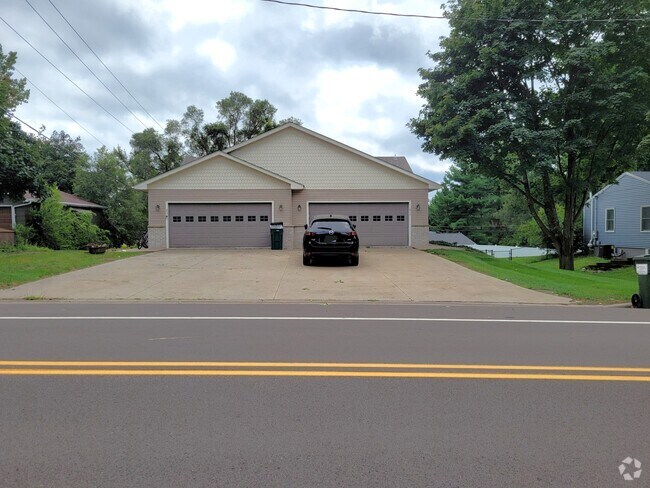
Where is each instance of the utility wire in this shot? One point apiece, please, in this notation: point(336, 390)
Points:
point(104, 64)
point(66, 76)
point(442, 17)
point(85, 65)
point(57, 106)
point(31, 127)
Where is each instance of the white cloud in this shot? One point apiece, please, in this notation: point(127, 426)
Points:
point(429, 163)
point(222, 54)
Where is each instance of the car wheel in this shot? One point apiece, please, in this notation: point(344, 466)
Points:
point(354, 260)
point(306, 261)
point(636, 301)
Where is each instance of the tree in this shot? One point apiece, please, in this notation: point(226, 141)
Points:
point(232, 111)
point(60, 158)
point(153, 153)
point(18, 172)
point(468, 202)
point(109, 183)
point(554, 109)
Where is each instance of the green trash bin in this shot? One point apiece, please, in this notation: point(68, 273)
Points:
point(277, 230)
point(642, 265)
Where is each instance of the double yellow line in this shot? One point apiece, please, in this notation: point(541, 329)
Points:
point(314, 369)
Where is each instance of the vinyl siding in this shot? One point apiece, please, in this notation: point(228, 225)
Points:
point(321, 165)
point(627, 197)
point(218, 172)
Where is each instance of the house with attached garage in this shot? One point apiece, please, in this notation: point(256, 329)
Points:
point(288, 174)
point(619, 216)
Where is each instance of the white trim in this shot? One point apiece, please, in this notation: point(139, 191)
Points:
point(408, 202)
point(431, 184)
point(614, 219)
point(191, 202)
point(145, 184)
point(641, 218)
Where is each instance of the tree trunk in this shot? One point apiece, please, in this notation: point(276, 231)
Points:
point(566, 259)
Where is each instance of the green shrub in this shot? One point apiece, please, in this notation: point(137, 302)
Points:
point(25, 235)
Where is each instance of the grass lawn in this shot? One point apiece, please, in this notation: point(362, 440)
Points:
point(537, 274)
point(17, 267)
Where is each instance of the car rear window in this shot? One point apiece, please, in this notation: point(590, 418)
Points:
point(335, 225)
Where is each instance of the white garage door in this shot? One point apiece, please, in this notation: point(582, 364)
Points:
point(219, 224)
point(378, 224)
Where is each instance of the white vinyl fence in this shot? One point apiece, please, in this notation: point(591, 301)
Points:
point(510, 252)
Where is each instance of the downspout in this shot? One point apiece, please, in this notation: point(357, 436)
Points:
point(592, 238)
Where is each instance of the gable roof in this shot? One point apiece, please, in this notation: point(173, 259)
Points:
point(399, 161)
point(432, 184)
point(457, 238)
point(67, 199)
point(145, 184)
point(643, 176)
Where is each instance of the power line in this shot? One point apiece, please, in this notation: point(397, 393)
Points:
point(31, 127)
point(85, 65)
point(57, 106)
point(442, 17)
point(104, 65)
point(66, 76)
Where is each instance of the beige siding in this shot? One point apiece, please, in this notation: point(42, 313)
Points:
point(160, 197)
point(218, 172)
point(320, 165)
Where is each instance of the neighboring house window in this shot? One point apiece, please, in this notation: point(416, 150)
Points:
point(610, 220)
point(364, 218)
point(645, 219)
point(176, 219)
point(251, 218)
point(239, 218)
point(400, 218)
point(202, 218)
point(376, 218)
point(227, 218)
point(388, 218)
point(189, 218)
point(214, 218)
point(264, 218)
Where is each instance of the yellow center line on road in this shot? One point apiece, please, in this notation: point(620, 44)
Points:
point(304, 373)
point(250, 364)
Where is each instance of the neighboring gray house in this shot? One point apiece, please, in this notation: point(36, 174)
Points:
point(288, 174)
point(455, 238)
point(619, 215)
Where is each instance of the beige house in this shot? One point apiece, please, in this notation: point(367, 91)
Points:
point(288, 175)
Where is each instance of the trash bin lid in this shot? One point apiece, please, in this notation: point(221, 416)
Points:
point(276, 225)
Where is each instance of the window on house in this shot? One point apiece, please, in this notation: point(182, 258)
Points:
point(189, 218)
point(239, 218)
point(252, 218)
point(364, 218)
point(376, 218)
point(610, 220)
point(645, 219)
point(400, 218)
point(202, 218)
point(214, 218)
point(388, 218)
point(264, 218)
point(176, 218)
point(227, 218)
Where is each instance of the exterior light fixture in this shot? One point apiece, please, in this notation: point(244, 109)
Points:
point(299, 208)
point(417, 207)
point(280, 208)
point(157, 208)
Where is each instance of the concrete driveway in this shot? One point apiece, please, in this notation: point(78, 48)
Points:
point(384, 274)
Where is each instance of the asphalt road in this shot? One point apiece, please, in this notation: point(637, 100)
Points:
point(374, 395)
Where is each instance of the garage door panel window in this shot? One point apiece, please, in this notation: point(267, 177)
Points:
point(227, 218)
point(239, 218)
point(189, 218)
point(264, 218)
point(252, 218)
point(388, 218)
point(364, 218)
point(176, 218)
point(376, 218)
point(353, 218)
point(400, 218)
point(214, 218)
point(202, 218)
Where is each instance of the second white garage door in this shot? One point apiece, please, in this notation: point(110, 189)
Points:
point(219, 224)
point(378, 224)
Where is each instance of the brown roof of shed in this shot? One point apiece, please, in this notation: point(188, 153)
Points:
point(68, 199)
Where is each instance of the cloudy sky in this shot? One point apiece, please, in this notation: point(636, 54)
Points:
point(349, 76)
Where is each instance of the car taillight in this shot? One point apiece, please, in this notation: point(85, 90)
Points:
point(353, 234)
point(310, 234)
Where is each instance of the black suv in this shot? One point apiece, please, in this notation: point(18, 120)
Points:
point(330, 236)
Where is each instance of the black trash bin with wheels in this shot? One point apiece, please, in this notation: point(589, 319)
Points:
point(642, 265)
point(277, 231)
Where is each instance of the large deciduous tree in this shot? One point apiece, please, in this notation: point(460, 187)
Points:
point(60, 159)
point(555, 101)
